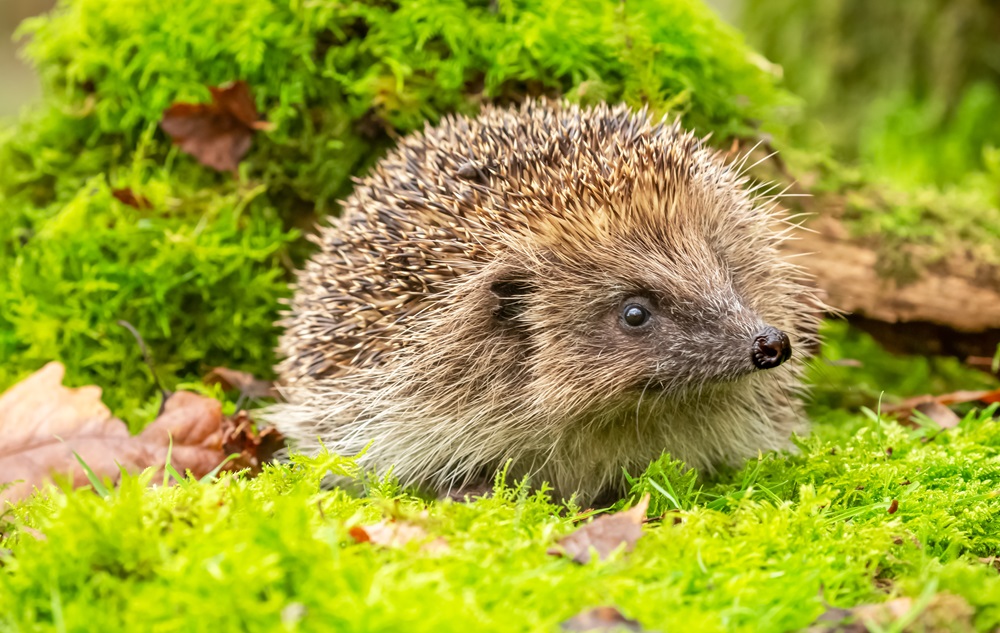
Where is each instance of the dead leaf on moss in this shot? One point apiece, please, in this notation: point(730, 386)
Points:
point(601, 619)
point(392, 533)
point(936, 407)
point(43, 423)
point(944, 613)
point(253, 447)
point(992, 561)
point(604, 534)
point(128, 197)
point(246, 383)
point(194, 423)
point(218, 134)
point(942, 415)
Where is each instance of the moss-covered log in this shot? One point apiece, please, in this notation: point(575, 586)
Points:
point(951, 308)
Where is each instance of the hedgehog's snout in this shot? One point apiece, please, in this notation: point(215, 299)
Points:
point(770, 348)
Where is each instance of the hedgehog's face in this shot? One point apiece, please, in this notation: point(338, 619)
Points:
point(649, 317)
point(674, 344)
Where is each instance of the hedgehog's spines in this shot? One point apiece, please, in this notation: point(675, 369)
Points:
point(395, 333)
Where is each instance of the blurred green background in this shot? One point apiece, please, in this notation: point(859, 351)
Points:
point(20, 86)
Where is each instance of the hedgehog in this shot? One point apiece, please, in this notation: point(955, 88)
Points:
point(562, 292)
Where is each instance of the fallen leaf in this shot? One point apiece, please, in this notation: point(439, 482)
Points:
point(600, 619)
point(604, 534)
point(253, 447)
point(194, 424)
point(247, 384)
point(43, 423)
point(944, 613)
point(130, 198)
point(217, 134)
point(392, 533)
point(942, 415)
point(935, 403)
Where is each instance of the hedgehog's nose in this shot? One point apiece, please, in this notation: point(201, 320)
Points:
point(770, 348)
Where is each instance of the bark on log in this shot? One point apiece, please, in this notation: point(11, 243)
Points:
point(952, 307)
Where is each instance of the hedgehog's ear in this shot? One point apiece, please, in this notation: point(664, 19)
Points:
point(510, 291)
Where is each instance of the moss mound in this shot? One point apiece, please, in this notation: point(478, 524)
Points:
point(201, 272)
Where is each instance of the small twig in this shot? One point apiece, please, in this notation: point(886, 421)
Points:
point(241, 402)
point(148, 359)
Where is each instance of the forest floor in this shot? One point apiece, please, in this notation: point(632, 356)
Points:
point(893, 525)
point(105, 219)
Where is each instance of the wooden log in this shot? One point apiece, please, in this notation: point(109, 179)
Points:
point(951, 307)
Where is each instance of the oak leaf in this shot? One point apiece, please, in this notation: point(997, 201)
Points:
point(601, 619)
point(604, 535)
point(218, 134)
point(44, 426)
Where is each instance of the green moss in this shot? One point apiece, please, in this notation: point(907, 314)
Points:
point(198, 274)
point(201, 273)
point(755, 550)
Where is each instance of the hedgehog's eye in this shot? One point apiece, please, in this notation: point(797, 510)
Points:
point(635, 315)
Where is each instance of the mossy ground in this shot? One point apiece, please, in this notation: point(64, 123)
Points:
point(200, 274)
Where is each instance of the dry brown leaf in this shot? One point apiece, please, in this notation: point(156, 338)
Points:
point(944, 613)
point(247, 384)
point(942, 415)
point(601, 619)
point(935, 404)
point(253, 447)
point(992, 561)
point(217, 134)
point(393, 533)
point(130, 198)
point(43, 423)
point(604, 534)
point(194, 424)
